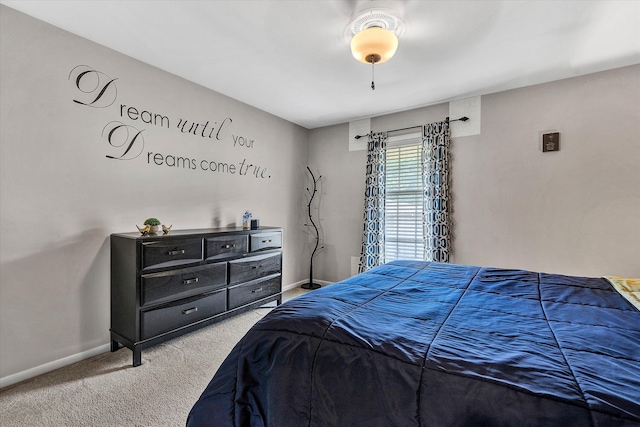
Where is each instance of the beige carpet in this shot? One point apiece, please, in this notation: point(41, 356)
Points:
point(106, 390)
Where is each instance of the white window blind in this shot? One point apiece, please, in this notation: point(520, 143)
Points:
point(403, 203)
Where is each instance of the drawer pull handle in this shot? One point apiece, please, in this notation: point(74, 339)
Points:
point(190, 310)
point(266, 241)
point(228, 246)
point(257, 266)
point(256, 290)
point(190, 281)
point(176, 252)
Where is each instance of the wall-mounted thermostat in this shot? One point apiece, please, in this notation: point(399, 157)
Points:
point(550, 141)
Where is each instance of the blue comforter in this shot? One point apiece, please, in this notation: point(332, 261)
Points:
point(429, 344)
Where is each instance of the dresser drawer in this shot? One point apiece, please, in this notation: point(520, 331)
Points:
point(182, 283)
point(254, 290)
point(244, 269)
point(160, 254)
point(181, 313)
point(264, 241)
point(221, 247)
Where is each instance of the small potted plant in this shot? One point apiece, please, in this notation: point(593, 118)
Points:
point(153, 224)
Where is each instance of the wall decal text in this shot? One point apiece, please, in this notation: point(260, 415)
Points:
point(98, 89)
point(144, 115)
point(241, 141)
point(127, 139)
point(126, 142)
point(242, 168)
point(204, 131)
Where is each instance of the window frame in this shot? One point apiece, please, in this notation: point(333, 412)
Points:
point(408, 233)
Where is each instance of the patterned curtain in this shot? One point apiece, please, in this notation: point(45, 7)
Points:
point(437, 214)
point(372, 253)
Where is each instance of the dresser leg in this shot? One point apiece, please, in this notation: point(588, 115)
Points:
point(137, 358)
point(115, 345)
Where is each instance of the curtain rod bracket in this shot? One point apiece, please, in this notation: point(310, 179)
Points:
point(461, 119)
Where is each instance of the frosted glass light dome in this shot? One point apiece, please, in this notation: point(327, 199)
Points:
point(374, 44)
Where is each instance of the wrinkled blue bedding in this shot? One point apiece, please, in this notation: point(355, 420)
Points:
point(429, 344)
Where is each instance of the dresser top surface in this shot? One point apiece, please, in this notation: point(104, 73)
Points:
point(136, 235)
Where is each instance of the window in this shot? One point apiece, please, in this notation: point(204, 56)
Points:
point(404, 201)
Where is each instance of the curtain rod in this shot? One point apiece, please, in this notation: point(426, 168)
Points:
point(461, 119)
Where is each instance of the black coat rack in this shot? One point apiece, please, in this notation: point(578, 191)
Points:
point(312, 285)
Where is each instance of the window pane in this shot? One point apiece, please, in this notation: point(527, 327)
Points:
point(403, 203)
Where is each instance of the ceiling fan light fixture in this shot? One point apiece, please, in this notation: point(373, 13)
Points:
point(374, 34)
point(374, 45)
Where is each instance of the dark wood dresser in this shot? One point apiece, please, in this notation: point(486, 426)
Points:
point(163, 286)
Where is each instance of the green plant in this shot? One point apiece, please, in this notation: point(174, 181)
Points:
point(151, 221)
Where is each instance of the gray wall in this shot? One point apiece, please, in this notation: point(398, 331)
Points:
point(61, 197)
point(576, 211)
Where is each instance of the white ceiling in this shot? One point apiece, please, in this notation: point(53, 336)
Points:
point(291, 58)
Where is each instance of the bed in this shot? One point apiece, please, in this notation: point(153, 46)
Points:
point(414, 343)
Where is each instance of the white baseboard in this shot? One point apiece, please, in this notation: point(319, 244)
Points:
point(52, 366)
point(65, 361)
